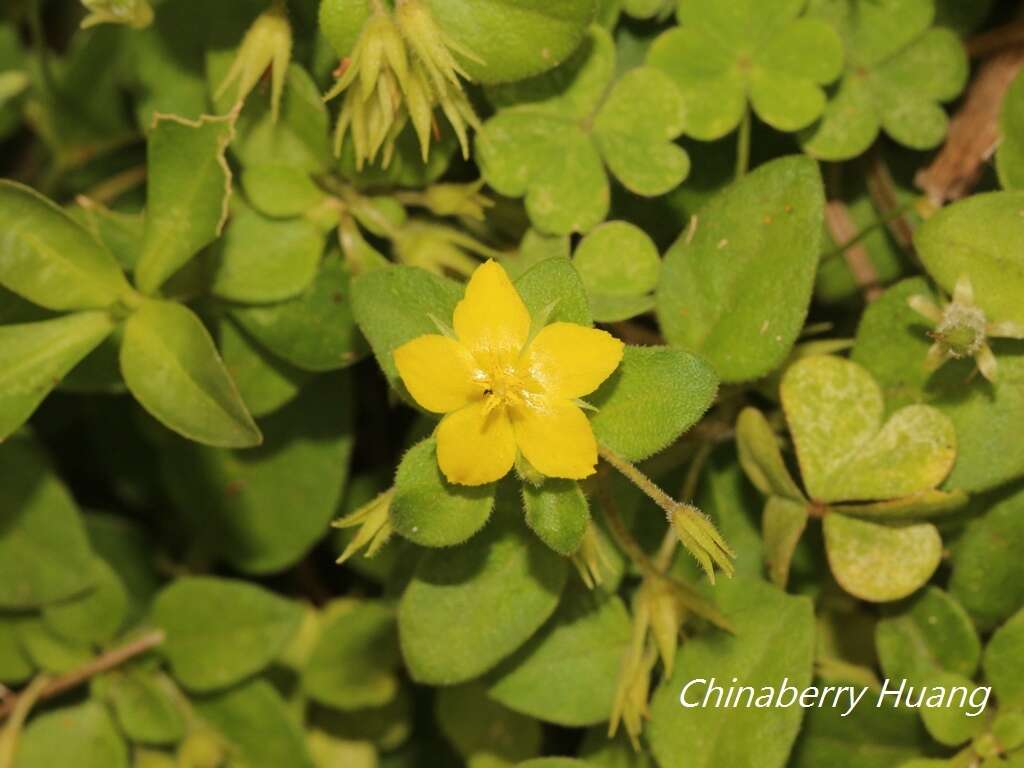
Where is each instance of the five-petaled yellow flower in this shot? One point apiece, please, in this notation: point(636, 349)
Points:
point(502, 391)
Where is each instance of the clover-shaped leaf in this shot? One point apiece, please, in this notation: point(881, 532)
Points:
point(834, 410)
point(898, 70)
point(724, 54)
point(553, 135)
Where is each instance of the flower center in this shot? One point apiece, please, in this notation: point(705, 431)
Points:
point(962, 329)
point(505, 385)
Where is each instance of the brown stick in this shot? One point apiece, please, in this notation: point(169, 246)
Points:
point(973, 131)
point(843, 230)
point(103, 663)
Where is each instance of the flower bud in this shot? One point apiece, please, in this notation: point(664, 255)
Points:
point(698, 534)
point(457, 200)
point(374, 524)
point(267, 44)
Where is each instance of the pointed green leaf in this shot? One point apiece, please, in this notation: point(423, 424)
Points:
point(353, 663)
point(314, 331)
point(258, 725)
point(1004, 662)
point(147, 706)
point(1010, 155)
point(784, 523)
point(773, 641)
point(430, 511)
point(189, 187)
point(977, 238)
point(655, 395)
point(34, 357)
point(265, 381)
point(97, 615)
point(221, 631)
point(558, 513)
point(466, 609)
point(83, 735)
point(171, 366)
point(44, 552)
point(738, 290)
point(481, 729)
point(761, 458)
point(932, 633)
point(261, 260)
point(879, 563)
point(49, 259)
point(567, 674)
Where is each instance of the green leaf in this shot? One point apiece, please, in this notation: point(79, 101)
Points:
point(261, 260)
point(554, 134)
point(635, 130)
point(774, 640)
point(83, 735)
point(15, 665)
point(145, 703)
point(314, 331)
point(553, 293)
point(892, 342)
point(952, 724)
point(265, 381)
point(1004, 662)
point(49, 259)
point(618, 288)
point(235, 498)
point(189, 188)
point(567, 673)
point(557, 511)
point(171, 366)
point(1010, 155)
point(880, 563)
point(482, 730)
point(394, 305)
point(353, 663)
point(124, 545)
point(976, 237)
point(258, 724)
point(50, 652)
point(341, 21)
point(94, 617)
point(34, 357)
point(897, 72)
point(281, 191)
point(738, 290)
point(466, 609)
point(531, 35)
point(430, 511)
point(655, 395)
point(988, 572)
point(761, 458)
point(932, 633)
point(221, 631)
point(868, 737)
point(757, 51)
point(44, 552)
point(834, 410)
point(783, 524)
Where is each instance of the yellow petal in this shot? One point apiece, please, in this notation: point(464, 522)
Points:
point(570, 360)
point(474, 447)
point(491, 319)
point(555, 437)
point(438, 372)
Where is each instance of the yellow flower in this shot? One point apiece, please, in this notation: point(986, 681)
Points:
point(503, 392)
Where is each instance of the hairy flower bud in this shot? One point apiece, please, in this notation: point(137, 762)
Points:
point(374, 522)
point(267, 44)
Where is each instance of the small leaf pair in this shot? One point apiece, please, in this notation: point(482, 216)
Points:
point(869, 479)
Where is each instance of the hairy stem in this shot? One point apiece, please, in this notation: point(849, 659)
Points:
point(743, 145)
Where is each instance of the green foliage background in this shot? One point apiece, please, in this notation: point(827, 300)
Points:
point(199, 300)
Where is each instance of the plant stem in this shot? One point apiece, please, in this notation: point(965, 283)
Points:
point(619, 531)
point(866, 231)
point(640, 480)
point(19, 714)
point(113, 658)
point(743, 144)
